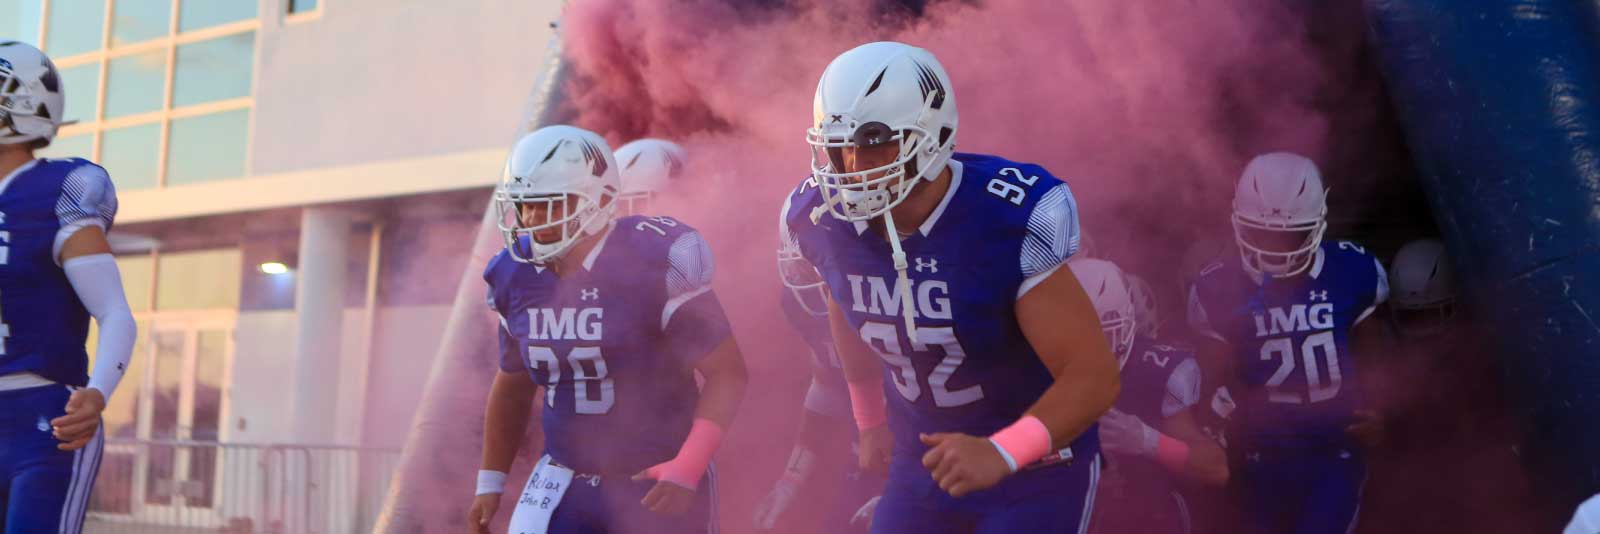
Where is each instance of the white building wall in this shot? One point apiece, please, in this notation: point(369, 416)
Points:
point(376, 80)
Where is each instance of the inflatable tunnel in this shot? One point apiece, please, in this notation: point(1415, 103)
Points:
point(1500, 103)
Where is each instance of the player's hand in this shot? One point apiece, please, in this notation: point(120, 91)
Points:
point(483, 509)
point(863, 517)
point(875, 445)
point(962, 464)
point(1122, 433)
point(1368, 428)
point(665, 498)
point(775, 503)
point(78, 426)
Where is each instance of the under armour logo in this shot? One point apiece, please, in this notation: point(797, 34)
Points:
point(931, 265)
point(1320, 295)
point(590, 294)
point(1254, 456)
point(837, 119)
point(517, 179)
point(1277, 211)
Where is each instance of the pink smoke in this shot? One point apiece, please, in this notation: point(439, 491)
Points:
point(1148, 109)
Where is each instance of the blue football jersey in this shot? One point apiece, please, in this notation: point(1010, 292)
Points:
point(1158, 382)
point(1001, 227)
point(614, 343)
point(43, 325)
point(1291, 343)
point(828, 394)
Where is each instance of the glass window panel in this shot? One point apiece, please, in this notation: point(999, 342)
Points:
point(129, 155)
point(82, 87)
point(197, 14)
point(212, 70)
point(136, 280)
point(206, 279)
point(76, 26)
point(134, 84)
point(77, 146)
point(19, 19)
point(302, 6)
point(134, 21)
point(207, 147)
point(211, 352)
point(164, 417)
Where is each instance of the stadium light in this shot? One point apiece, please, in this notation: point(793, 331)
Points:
point(274, 267)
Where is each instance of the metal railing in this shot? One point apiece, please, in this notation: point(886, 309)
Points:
point(180, 487)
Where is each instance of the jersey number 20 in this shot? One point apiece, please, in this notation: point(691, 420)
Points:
point(1317, 390)
point(905, 375)
point(581, 360)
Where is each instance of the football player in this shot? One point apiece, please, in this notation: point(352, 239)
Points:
point(56, 271)
point(1283, 315)
point(944, 272)
point(825, 420)
point(1154, 444)
point(649, 167)
point(612, 317)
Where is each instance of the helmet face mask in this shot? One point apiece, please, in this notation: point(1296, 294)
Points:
point(803, 281)
point(635, 203)
point(560, 186)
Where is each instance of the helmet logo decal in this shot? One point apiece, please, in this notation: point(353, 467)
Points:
point(930, 84)
point(633, 160)
point(879, 80)
point(596, 160)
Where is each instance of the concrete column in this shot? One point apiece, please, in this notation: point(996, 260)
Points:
point(319, 313)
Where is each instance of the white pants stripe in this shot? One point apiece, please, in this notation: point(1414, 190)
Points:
point(1088, 499)
point(85, 464)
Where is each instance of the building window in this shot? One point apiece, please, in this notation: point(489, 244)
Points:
point(19, 20)
point(299, 7)
point(161, 89)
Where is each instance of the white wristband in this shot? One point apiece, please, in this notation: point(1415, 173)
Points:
point(1010, 461)
point(491, 482)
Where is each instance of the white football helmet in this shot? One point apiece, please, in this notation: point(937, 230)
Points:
point(1107, 287)
point(797, 274)
point(874, 94)
point(31, 100)
point(1279, 195)
point(1422, 293)
point(648, 167)
point(1145, 311)
point(568, 170)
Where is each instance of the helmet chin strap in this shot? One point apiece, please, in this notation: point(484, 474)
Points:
point(902, 280)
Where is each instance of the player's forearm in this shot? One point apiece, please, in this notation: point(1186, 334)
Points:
point(725, 382)
point(98, 285)
point(1081, 394)
point(505, 420)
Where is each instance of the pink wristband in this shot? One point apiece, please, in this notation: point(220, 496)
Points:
point(866, 402)
point(693, 457)
point(1026, 441)
point(1172, 454)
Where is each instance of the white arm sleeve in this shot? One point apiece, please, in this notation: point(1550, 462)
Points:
point(1183, 388)
point(87, 199)
point(1052, 236)
point(99, 285)
point(689, 272)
